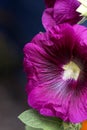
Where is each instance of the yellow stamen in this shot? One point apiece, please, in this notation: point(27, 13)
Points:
point(71, 71)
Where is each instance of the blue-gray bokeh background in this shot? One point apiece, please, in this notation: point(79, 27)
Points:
point(20, 20)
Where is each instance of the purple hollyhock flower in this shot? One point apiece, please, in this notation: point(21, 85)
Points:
point(60, 11)
point(56, 66)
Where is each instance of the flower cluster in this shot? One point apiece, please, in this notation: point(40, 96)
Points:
point(55, 62)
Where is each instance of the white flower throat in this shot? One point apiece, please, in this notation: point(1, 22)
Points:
point(71, 71)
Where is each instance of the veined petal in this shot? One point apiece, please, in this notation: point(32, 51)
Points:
point(50, 102)
point(47, 18)
point(81, 32)
point(65, 11)
point(61, 11)
point(79, 107)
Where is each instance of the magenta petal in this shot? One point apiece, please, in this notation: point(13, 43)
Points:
point(49, 103)
point(42, 39)
point(81, 31)
point(65, 11)
point(38, 98)
point(46, 112)
point(47, 18)
point(61, 11)
point(78, 105)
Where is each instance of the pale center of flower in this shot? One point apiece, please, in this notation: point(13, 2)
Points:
point(71, 71)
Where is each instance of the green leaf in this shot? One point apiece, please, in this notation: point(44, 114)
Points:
point(31, 128)
point(33, 119)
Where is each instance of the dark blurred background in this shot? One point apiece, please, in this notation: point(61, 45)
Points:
point(20, 20)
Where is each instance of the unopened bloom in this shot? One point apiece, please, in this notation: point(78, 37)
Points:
point(82, 8)
point(56, 66)
point(60, 11)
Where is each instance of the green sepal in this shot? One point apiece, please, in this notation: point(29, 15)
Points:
point(31, 128)
point(32, 118)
